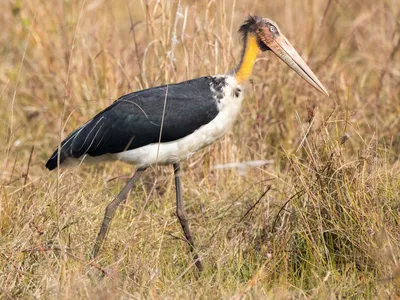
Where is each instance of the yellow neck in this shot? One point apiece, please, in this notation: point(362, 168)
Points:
point(249, 56)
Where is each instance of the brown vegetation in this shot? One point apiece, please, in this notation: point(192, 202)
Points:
point(320, 221)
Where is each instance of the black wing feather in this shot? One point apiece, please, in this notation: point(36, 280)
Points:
point(134, 120)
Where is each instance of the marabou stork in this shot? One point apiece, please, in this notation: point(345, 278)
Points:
point(167, 124)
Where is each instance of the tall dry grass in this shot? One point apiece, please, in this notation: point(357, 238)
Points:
point(320, 221)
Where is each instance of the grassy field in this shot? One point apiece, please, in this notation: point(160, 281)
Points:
point(320, 220)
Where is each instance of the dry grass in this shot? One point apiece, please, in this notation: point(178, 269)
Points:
point(327, 228)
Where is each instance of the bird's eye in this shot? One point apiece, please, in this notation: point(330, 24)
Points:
point(272, 28)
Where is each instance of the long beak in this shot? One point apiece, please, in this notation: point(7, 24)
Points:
point(282, 48)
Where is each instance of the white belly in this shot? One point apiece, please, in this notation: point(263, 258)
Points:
point(171, 152)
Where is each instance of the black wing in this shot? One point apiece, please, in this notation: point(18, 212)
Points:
point(134, 120)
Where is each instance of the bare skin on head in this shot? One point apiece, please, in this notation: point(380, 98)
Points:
point(262, 34)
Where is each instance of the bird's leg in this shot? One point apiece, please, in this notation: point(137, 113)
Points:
point(180, 212)
point(110, 211)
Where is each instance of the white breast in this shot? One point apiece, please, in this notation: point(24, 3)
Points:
point(171, 152)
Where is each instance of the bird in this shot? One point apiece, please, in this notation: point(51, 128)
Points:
point(167, 124)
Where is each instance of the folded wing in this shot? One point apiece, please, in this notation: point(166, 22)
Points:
point(134, 120)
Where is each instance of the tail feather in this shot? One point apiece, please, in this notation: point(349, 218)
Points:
point(65, 151)
point(53, 161)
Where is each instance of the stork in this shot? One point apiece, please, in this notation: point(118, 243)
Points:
point(167, 124)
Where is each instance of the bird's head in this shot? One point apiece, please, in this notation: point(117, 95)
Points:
point(267, 35)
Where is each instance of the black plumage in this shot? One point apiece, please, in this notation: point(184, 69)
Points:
point(134, 120)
